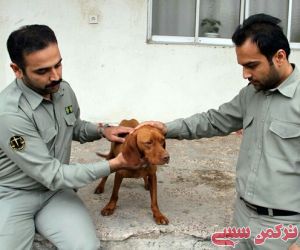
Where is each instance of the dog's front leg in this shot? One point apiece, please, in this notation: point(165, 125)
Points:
point(111, 205)
point(158, 216)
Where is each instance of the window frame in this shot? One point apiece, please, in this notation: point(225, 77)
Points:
point(197, 40)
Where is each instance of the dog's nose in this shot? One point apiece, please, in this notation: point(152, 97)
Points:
point(166, 158)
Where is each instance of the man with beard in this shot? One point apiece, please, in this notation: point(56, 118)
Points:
point(40, 117)
point(268, 111)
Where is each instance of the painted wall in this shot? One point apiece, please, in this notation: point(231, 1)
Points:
point(112, 69)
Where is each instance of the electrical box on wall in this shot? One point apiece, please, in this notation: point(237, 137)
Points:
point(93, 19)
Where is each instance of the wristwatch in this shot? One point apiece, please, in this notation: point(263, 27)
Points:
point(101, 127)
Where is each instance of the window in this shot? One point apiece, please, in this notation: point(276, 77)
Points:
point(214, 21)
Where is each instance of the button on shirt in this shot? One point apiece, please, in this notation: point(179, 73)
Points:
point(268, 166)
point(36, 137)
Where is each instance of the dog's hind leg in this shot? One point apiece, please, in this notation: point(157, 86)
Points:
point(146, 182)
point(100, 188)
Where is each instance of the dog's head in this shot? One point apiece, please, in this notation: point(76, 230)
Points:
point(146, 143)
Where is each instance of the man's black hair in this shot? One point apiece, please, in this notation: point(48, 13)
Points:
point(264, 31)
point(28, 39)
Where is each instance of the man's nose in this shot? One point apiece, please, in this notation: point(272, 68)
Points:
point(54, 74)
point(246, 74)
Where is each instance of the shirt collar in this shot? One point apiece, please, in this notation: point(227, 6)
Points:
point(288, 86)
point(33, 97)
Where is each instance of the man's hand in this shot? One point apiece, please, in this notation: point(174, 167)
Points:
point(155, 124)
point(112, 133)
point(294, 247)
point(119, 162)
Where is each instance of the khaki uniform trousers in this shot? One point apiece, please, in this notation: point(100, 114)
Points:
point(60, 216)
point(246, 217)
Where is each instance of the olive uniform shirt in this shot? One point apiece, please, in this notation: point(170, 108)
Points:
point(36, 136)
point(268, 166)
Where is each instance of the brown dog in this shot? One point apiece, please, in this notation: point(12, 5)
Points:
point(146, 144)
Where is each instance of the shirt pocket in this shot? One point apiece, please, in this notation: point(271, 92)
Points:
point(70, 119)
point(285, 130)
point(284, 140)
point(48, 134)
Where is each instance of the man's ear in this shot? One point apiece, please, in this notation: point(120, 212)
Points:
point(280, 57)
point(17, 70)
point(130, 150)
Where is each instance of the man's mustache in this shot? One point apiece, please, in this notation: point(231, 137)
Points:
point(53, 83)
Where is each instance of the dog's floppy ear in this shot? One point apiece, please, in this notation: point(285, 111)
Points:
point(130, 150)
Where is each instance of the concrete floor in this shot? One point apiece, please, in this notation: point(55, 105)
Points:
point(195, 191)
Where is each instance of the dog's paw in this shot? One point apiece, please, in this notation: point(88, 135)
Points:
point(108, 210)
point(160, 219)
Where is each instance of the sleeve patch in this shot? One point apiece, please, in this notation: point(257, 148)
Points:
point(17, 142)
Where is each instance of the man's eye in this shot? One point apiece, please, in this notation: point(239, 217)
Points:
point(41, 71)
point(251, 66)
point(57, 65)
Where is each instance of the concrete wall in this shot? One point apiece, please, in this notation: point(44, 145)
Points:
point(112, 69)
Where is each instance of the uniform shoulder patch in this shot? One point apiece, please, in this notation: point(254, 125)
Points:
point(17, 142)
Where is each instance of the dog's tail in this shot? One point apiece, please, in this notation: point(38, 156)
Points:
point(105, 156)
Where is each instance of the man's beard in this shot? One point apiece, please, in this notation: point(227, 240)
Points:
point(53, 84)
point(271, 82)
point(48, 89)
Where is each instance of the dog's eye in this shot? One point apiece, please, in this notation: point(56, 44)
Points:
point(149, 142)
